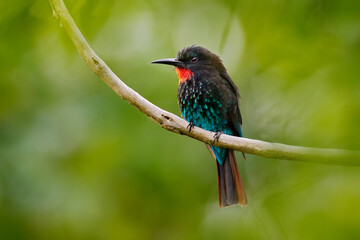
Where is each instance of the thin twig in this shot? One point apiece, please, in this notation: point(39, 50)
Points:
point(175, 124)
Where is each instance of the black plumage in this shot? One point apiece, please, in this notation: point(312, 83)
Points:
point(208, 98)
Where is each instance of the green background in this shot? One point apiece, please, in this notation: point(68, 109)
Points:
point(78, 162)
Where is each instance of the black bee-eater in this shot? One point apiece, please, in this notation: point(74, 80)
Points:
point(208, 99)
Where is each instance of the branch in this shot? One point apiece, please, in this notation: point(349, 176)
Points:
point(175, 124)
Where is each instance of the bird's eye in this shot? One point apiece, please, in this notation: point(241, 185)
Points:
point(194, 59)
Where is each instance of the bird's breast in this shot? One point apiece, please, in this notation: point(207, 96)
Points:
point(199, 105)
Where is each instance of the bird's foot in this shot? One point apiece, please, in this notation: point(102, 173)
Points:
point(217, 136)
point(190, 126)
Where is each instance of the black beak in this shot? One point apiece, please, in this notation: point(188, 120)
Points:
point(169, 61)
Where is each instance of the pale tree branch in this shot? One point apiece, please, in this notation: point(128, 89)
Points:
point(175, 124)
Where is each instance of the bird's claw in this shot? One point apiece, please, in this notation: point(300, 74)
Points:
point(217, 136)
point(190, 126)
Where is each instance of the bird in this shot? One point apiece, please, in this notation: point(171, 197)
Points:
point(209, 99)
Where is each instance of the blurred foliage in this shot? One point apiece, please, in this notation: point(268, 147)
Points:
point(78, 162)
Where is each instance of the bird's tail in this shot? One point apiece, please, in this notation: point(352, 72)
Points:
point(231, 188)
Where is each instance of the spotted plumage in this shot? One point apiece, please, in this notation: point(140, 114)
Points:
point(208, 98)
point(198, 105)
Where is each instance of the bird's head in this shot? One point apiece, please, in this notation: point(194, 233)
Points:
point(193, 60)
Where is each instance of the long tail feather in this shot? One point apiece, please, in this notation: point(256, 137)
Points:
point(231, 188)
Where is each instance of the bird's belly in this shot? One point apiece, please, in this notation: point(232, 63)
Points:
point(206, 112)
point(208, 119)
point(206, 116)
point(199, 105)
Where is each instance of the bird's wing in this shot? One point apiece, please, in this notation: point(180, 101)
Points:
point(235, 120)
point(231, 84)
point(233, 113)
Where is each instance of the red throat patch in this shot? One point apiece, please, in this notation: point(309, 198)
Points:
point(183, 74)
